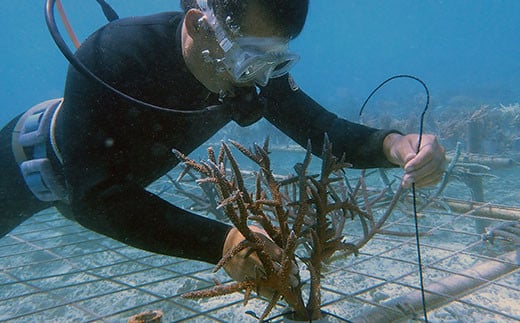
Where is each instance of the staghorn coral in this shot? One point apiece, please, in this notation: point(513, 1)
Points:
point(304, 215)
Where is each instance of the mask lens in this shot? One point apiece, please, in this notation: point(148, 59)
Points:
point(259, 59)
point(248, 70)
point(284, 65)
point(264, 66)
point(281, 67)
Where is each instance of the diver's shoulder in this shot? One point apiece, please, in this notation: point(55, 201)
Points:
point(162, 18)
point(139, 30)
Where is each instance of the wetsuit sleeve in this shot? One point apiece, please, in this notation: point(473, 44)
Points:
point(113, 149)
point(302, 118)
point(130, 214)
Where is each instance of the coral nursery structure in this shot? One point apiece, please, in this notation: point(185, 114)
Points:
point(305, 215)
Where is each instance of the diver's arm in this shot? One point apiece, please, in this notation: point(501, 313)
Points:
point(134, 216)
point(302, 118)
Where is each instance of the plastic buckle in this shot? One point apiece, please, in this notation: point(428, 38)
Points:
point(42, 181)
point(36, 168)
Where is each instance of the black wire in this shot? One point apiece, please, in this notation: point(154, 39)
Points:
point(419, 258)
point(80, 67)
point(416, 221)
point(402, 76)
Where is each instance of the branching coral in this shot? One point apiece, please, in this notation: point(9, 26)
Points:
point(304, 215)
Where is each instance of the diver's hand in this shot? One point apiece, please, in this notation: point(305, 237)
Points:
point(425, 168)
point(247, 266)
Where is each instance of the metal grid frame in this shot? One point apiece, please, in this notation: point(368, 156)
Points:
point(54, 269)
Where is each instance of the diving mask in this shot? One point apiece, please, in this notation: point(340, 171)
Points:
point(249, 59)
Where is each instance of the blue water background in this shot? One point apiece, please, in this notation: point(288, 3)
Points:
point(461, 48)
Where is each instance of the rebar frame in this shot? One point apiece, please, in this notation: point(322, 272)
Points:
point(52, 268)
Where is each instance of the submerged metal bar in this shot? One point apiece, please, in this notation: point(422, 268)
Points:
point(493, 211)
point(443, 291)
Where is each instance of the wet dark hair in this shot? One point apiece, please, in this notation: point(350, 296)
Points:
point(288, 15)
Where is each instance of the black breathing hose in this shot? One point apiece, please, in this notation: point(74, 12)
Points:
point(80, 67)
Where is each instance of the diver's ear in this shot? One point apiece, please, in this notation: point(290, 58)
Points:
point(195, 22)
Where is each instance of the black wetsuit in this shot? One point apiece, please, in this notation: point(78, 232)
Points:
point(113, 149)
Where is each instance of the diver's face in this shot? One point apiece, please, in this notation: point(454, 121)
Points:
point(256, 23)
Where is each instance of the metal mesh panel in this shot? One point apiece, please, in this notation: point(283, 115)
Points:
point(54, 269)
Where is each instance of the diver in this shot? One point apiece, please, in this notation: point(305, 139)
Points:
point(92, 153)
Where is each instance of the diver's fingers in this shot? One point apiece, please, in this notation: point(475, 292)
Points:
point(430, 150)
point(429, 174)
point(427, 167)
point(430, 180)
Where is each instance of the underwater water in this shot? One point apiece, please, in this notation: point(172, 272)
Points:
point(467, 52)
